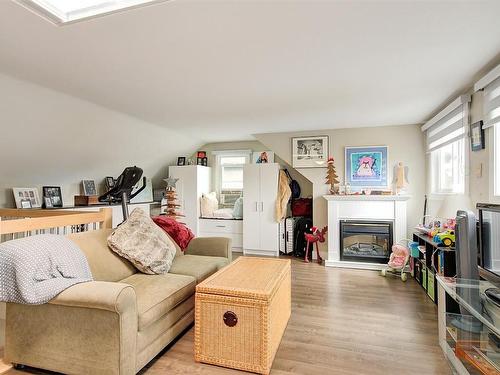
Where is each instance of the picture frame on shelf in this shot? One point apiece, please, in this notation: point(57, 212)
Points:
point(204, 161)
point(199, 161)
point(89, 187)
point(181, 161)
point(27, 193)
point(110, 182)
point(366, 166)
point(25, 203)
point(55, 195)
point(477, 142)
point(201, 154)
point(263, 157)
point(47, 202)
point(310, 152)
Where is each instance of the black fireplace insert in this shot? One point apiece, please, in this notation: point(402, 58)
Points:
point(365, 241)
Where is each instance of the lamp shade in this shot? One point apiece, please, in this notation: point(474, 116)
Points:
point(452, 203)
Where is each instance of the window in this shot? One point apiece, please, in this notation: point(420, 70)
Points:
point(446, 135)
point(491, 99)
point(229, 175)
point(447, 168)
point(64, 11)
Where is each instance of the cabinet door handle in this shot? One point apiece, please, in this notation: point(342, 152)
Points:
point(256, 206)
point(261, 206)
point(220, 226)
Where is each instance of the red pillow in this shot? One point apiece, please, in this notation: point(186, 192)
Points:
point(179, 232)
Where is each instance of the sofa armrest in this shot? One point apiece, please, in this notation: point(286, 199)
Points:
point(211, 246)
point(102, 295)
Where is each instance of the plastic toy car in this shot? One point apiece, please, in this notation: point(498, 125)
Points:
point(447, 238)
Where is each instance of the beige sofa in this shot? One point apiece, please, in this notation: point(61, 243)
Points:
point(117, 323)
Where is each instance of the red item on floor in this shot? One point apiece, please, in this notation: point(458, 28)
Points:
point(179, 232)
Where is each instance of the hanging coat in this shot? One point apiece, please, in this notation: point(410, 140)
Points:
point(284, 194)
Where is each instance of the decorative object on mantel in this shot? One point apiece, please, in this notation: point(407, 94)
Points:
point(313, 238)
point(400, 178)
point(366, 166)
point(310, 152)
point(30, 194)
point(169, 203)
point(55, 195)
point(88, 187)
point(477, 136)
point(331, 177)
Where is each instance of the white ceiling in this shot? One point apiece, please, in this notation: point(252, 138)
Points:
point(223, 70)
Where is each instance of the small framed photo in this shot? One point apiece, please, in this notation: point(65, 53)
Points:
point(89, 187)
point(477, 136)
point(47, 202)
point(204, 161)
point(310, 152)
point(110, 183)
point(181, 160)
point(30, 194)
point(201, 154)
point(55, 195)
point(199, 161)
point(25, 203)
point(263, 157)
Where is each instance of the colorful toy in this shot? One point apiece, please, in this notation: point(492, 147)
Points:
point(447, 238)
point(398, 264)
point(315, 237)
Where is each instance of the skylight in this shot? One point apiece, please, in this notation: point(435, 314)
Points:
point(65, 11)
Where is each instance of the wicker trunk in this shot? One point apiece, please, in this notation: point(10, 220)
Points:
point(241, 313)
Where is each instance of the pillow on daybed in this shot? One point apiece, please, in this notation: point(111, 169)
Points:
point(209, 204)
point(143, 243)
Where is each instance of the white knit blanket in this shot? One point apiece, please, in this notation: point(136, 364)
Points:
point(35, 269)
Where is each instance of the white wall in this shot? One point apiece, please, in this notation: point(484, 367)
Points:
point(406, 144)
point(50, 138)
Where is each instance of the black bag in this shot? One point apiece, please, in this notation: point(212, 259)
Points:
point(304, 225)
point(294, 186)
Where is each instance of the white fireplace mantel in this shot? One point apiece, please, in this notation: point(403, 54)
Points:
point(363, 207)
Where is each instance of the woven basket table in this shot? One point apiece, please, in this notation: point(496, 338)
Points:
point(241, 313)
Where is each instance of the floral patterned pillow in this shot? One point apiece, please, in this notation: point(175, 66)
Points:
point(143, 243)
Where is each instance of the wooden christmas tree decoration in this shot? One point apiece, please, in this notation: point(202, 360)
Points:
point(172, 206)
point(331, 176)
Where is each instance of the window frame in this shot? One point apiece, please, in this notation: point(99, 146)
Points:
point(218, 166)
point(435, 174)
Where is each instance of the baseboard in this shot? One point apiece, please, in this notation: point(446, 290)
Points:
point(355, 265)
point(260, 253)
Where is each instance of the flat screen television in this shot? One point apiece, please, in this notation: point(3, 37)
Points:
point(489, 242)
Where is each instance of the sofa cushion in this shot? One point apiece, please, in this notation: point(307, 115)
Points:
point(105, 265)
point(159, 294)
point(143, 243)
point(197, 266)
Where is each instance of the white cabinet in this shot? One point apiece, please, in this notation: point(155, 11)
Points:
point(260, 190)
point(232, 229)
point(194, 181)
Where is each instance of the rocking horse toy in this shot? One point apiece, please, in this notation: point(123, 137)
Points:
point(315, 237)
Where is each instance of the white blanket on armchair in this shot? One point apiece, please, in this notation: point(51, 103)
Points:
point(35, 269)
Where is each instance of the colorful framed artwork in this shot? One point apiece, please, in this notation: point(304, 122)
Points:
point(477, 136)
point(310, 152)
point(366, 166)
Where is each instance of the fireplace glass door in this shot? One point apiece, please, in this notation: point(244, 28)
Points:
point(365, 241)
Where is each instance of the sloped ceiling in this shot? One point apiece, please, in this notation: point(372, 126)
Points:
point(223, 70)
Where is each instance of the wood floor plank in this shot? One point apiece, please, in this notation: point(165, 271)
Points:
point(343, 322)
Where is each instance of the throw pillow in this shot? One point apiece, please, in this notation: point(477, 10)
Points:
point(143, 243)
point(209, 204)
point(179, 232)
point(238, 208)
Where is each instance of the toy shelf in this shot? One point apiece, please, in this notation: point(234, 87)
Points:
point(433, 259)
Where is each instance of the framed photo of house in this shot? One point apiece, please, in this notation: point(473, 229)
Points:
point(366, 166)
point(54, 194)
point(477, 136)
point(30, 194)
point(89, 187)
point(310, 152)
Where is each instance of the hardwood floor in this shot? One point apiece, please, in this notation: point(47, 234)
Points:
point(343, 322)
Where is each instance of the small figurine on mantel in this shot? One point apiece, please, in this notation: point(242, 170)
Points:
point(400, 179)
point(331, 177)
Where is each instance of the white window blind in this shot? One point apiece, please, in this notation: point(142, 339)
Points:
point(449, 125)
point(491, 101)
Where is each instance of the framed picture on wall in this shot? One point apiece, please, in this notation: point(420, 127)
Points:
point(30, 194)
point(477, 136)
point(310, 152)
point(366, 166)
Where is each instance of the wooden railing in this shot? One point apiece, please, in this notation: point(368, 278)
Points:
point(32, 221)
